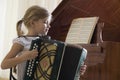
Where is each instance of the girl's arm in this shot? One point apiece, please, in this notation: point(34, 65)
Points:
point(11, 60)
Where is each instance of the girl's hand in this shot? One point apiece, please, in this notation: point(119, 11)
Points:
point(27, 55)
point(83, 69)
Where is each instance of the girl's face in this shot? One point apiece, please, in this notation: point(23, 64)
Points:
point(41, 27)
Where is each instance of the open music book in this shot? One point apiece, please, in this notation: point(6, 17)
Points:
point(81, 30)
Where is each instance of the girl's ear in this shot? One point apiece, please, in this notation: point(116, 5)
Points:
point(31, 22)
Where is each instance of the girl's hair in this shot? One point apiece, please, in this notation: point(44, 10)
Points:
point(33, 13)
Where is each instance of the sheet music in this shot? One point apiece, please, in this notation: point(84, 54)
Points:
point(81, 30)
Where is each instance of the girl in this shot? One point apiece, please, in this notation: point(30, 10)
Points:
point(37, 21)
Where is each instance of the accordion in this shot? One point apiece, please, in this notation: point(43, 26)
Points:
point(56, 60)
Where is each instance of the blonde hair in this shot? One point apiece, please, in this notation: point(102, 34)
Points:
point(33, 13)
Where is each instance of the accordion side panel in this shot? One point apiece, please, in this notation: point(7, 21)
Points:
point(70, 63)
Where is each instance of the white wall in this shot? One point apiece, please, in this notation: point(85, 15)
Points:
point(2, 29)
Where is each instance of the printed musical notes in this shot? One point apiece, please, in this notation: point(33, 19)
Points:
point(81, 30)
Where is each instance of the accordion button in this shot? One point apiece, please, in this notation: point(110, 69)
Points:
point(55, 44)
point(31, 70)
point(27, 73)
point(37, 62)
point(29, 63)
point(34, 47)
point(28, 68)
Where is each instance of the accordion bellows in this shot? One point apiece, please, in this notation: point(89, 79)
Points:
point(56, 60)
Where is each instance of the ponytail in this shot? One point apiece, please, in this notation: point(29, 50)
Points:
point(18, 28)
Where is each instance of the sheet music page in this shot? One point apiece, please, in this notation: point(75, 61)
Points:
point(81, 30)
